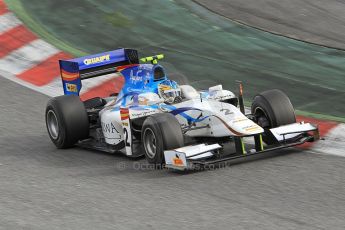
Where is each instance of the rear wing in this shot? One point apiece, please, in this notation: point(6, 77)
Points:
point(77, 69)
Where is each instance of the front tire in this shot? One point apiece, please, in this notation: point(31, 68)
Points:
point(66, 120)
point(271, 109)
point(275, 106)
point(160, 132)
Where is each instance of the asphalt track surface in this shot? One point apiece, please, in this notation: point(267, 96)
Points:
point(201, 48)
point(317, 21)
point(42, 187)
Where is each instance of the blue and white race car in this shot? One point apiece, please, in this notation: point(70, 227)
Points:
point(170, 124)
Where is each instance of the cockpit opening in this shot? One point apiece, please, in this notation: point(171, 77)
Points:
point(158, 74)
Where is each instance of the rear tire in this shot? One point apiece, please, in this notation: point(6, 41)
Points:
point(160, 132)
point(66, 120)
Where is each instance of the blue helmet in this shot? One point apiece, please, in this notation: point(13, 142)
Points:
point(170, 91)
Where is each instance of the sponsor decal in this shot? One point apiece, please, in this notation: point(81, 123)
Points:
point(221, 98)
point(72, 88)
point(239, 120)
point(108, 128)
point(136, 78)
point(124, 112)
point(177, 161)
point(143, 113)
point(252, 128)
point(96, 60)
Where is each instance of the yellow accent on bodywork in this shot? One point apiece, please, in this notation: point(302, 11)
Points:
point(261, 143)
point(152, 59)
point(242, 145)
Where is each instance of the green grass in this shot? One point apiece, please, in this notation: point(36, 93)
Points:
point(320, 116)
point(117, 19)
point(309, 114)
point(17, 7)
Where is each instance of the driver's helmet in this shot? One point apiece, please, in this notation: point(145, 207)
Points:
point(170, 91)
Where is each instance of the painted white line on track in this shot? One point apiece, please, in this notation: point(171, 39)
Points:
point(8, 21)
point(54, 88)
point(90, 83)
point(334, 143)
point(27, 57)
point(13, 78)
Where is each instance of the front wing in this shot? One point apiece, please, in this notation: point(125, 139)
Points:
point(202, 154)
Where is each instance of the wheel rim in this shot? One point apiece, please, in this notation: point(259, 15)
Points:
point(150, 143)
point(52, 124)
point(263, 119)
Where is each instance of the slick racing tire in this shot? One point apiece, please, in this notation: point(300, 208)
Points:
point(272, 108)
point(66, 120)
point(160, 132)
